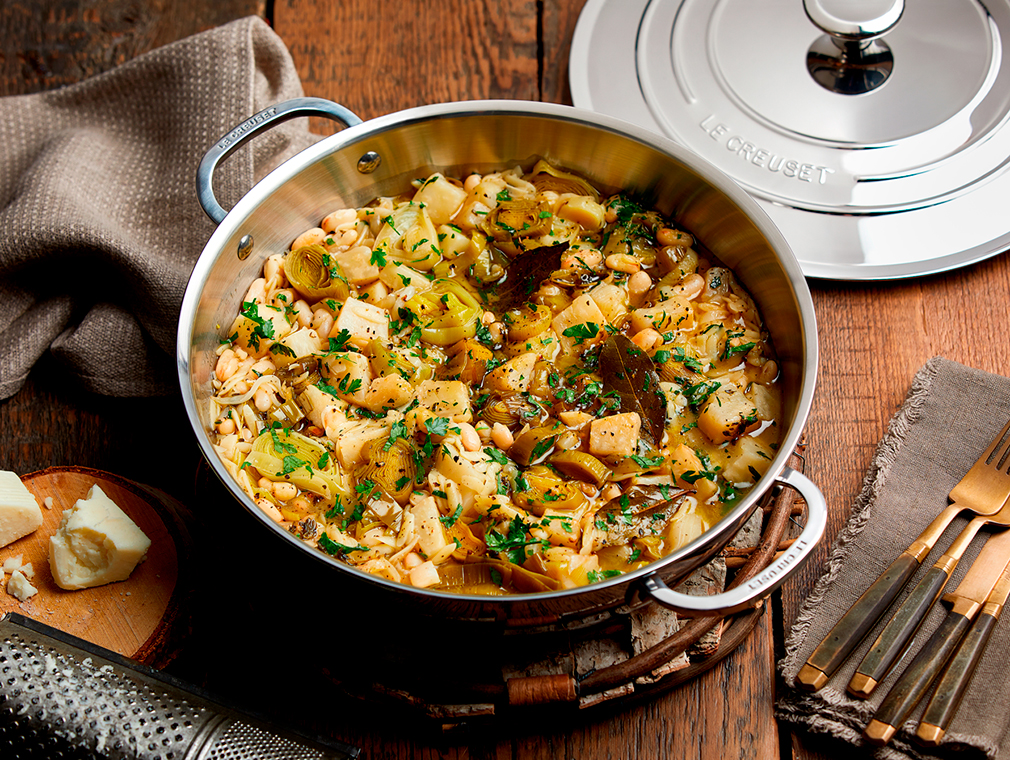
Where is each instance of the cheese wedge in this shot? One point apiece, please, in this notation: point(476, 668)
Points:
point(96, 543)
point(19, 511)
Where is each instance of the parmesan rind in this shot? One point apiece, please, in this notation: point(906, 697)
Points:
point(96, 543)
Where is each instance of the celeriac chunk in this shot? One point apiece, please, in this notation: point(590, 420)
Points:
point(364, 321)
point(514, 375)
point(448, 398)
point(727, 414)
point(615, 436)
point(583, 321)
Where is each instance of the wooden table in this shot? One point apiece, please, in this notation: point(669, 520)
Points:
point(377, 57)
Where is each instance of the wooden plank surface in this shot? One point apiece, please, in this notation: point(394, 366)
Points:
point(51, 43)
point(377, 57)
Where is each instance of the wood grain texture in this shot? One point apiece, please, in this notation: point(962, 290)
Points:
point(51, 43)
point(129, 617)
point(380, 56)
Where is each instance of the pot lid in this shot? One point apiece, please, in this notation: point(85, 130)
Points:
point(873, 133)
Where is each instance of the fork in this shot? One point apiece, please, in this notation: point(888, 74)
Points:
point(984, 489)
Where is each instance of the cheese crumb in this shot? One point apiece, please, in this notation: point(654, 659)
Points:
point(20, 587)
point(19, 511)
point(96, 543)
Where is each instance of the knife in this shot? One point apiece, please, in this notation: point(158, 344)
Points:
point(955, 679)
point(966, 602)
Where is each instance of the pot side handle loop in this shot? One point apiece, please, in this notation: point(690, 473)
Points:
point(762, 584)
point(250, 128)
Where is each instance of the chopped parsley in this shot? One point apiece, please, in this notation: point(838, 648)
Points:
point(332, 547)
point(582, 332)
point(263, 329)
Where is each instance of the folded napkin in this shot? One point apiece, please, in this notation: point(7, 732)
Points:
point(950, 416)
point(99, 220)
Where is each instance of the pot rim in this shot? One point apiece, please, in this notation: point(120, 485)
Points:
point(263, 189)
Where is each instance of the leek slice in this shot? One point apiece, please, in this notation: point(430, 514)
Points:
point(549, 178)
point(280, 453)
point(408, 236)
point(315, 274)
point(448, 313)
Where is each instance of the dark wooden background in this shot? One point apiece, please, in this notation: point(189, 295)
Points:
point(379, 56)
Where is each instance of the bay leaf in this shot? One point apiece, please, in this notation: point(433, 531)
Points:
point(641, 511)
point(524, 275)
point(628, 370)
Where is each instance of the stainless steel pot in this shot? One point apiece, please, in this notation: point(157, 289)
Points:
point(380, 157)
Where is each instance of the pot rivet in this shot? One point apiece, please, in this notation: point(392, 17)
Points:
point(245, 246)
point(369, 162)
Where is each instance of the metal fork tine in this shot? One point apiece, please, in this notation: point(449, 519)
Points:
point(1001, 439)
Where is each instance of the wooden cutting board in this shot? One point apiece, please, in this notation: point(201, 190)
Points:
point(139, 617)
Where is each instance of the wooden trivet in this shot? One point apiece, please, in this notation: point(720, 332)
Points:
point(142, 617)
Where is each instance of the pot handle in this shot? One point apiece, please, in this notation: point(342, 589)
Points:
point(769, 579)
point(250, 128)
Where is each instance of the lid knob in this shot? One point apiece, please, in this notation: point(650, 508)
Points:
point(849, 59)
point(854, 20)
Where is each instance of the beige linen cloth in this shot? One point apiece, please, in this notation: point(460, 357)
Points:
point(99, 220)
point(950, 416)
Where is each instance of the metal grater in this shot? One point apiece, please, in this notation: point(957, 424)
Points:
point(65, 698)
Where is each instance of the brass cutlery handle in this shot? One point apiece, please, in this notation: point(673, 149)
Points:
point(897, 633)
point(868, 609)
point(912, 686)
point(954, 682)
point(853, 626)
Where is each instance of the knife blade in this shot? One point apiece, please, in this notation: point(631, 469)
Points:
point(955, 679)
point(966, 602)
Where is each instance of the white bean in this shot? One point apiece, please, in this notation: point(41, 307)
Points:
point(623, 262)
point(339, 218)
point(502, 436)
point(309, 237)
point(283, 297)
point(227, 365)
point(272, 269)
point(303, 312)
point(639, 284)
point(263, 399)
point(769, 371)
point(270, 509)
point(668, 236)
point(264, 366)
point(257, 291)
point(322, 321)
point(690, 287)
point(284, 491)
point(469, 437)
